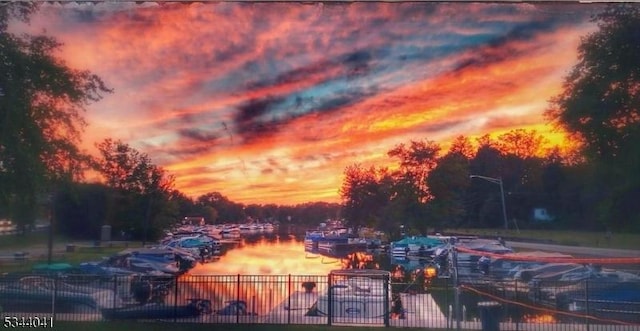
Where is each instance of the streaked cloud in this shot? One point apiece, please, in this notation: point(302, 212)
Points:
point(269, 102)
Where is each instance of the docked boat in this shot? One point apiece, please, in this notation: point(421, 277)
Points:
point(604, 289)
point(337, 242)
point(506, 266)
point(141, 261)
point(234, 307)
point(356, 294)
point(36, 293)
point(340, 248)
point(199, 245)
point(193, 308)
point(619, 301)
point(420, 247)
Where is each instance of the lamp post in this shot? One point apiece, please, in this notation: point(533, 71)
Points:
point(499, 182)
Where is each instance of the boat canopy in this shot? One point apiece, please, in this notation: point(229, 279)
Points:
point(426, 241)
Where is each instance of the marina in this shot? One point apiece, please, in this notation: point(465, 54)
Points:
point(273, 278)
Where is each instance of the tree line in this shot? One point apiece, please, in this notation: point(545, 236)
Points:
point(596, 187)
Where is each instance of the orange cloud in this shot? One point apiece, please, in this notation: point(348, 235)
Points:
point(270, 102)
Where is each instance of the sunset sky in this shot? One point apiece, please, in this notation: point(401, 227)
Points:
point(270, 102)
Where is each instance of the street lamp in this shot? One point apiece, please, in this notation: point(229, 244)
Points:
point(499, 182)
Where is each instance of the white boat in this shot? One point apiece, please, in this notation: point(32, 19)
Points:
point(195, 244)
point(357, 294)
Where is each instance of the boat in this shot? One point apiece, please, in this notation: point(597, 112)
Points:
point(546, 270)
point(469, 250)
point(234, 307)
point(568, 289)
point(36, 294)
point(312, 240)
point(356, 294)
point(230, 229)
point(619, 301)
point(157, 262)
point(193, 308)
point(418, 246)
point(342, 247)
point(506, 266)
point(472, 248)
point(335, 242)
point(200, 245)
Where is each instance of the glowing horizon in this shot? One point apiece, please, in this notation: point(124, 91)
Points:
point(270, 102)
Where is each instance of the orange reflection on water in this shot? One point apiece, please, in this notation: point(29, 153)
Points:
point(261, 274)
point(282, 257)
point(542, 318)
point(359, 260)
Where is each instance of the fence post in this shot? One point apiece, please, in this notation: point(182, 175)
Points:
point(115, 290)
point(586, 301)
point(386, 300)
point(175, 299)
point(329, 298)
point(237, 301)
point(289, 303)
point(456, 298)
point(516, 299)
point(446, 301)
point(55, 297)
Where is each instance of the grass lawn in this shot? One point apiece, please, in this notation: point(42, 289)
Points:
point(37, 246)
point(164, 326)
point(23, 241)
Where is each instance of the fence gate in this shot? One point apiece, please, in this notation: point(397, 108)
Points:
point(358, 296)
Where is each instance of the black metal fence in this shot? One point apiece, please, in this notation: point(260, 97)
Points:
point(298, 299)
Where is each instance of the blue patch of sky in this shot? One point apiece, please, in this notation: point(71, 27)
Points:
point(316, 98)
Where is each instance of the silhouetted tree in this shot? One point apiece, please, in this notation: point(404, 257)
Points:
point(416, 160)
point(42, 101)
point(362, 196)
point(142, 190)
point(600, 107)
point(448, 183)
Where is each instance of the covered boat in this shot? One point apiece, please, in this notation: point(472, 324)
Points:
point(358, 293)
point(415, 246)
point(35, 293)
point(193, 308)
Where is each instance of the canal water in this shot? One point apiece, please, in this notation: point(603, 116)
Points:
point(282, 254)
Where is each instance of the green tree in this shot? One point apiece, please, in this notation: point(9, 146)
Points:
point(462, 145)
point(600, 107)
point(416, 160)
point(81, 210)
point(362, 196)
point(523, 161)
point(227, 210)
point(524, 144)
point(484, 204)
point(142, 191)
point(42, 102)
point(184, 206)
point(448, 183)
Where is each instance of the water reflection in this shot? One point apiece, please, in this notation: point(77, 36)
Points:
point(267, 255)
point(304, 272)
point(273, 254)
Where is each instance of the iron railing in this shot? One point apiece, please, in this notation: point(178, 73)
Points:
point(311, 299)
